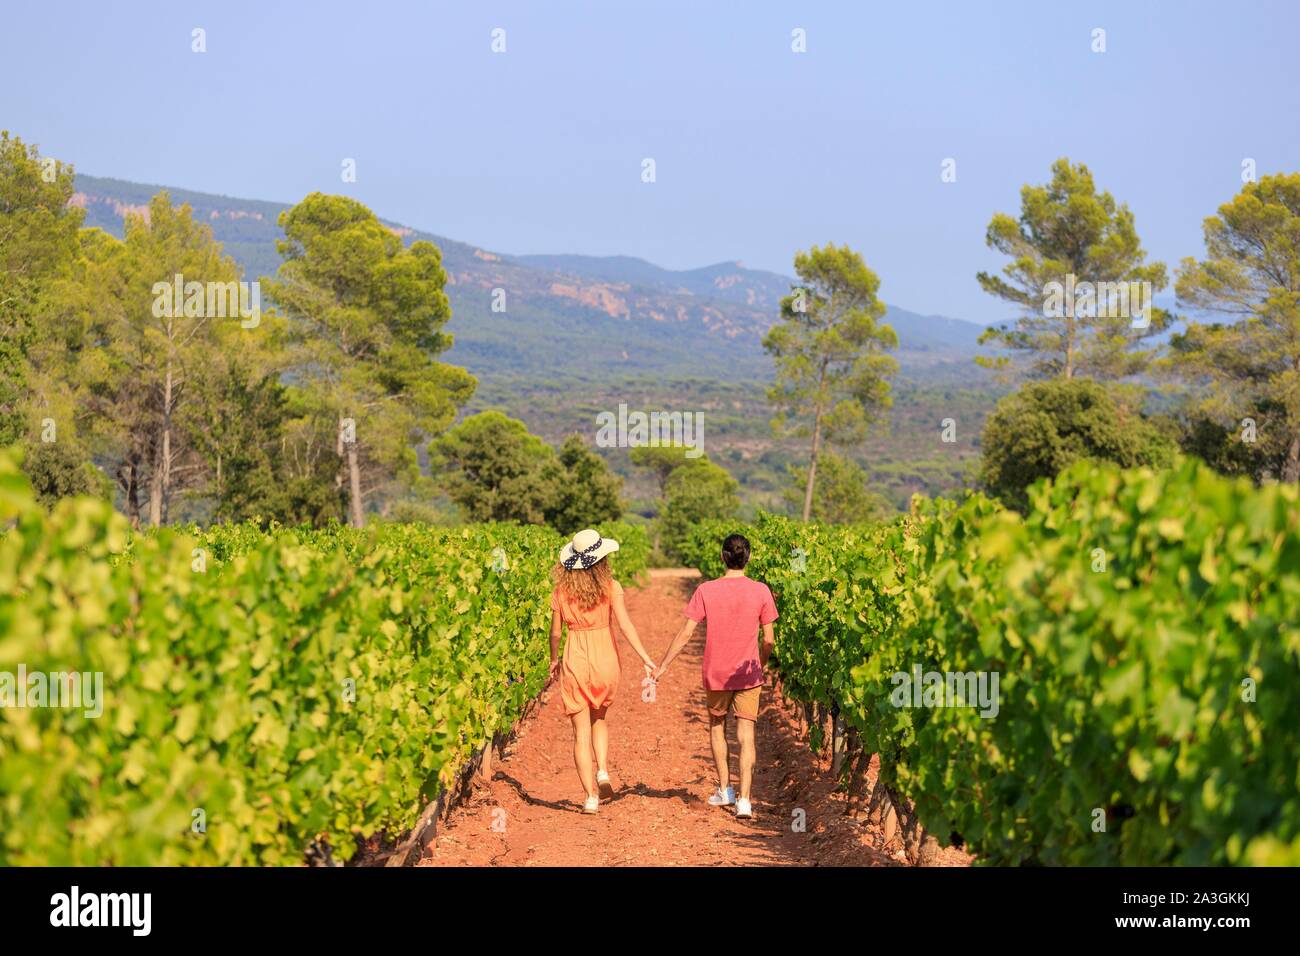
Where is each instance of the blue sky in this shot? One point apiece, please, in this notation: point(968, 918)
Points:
point(759, 151)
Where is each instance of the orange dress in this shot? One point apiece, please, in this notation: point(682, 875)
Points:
point(589, 669)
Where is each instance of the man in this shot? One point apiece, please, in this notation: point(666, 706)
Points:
point(736, 608)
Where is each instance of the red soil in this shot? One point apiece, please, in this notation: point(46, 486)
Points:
point(529, 814)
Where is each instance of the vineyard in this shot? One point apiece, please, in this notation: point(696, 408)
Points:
point(269, 695)
point(282, 694)
point(1145, 632)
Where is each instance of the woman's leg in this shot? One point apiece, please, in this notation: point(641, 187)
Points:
point(600, 738)
point(582, 750)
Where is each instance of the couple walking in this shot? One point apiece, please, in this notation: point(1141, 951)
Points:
point(585, 600)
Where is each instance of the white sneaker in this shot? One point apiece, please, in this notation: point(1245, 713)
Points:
point(592, 805)
point(743, 810)
point(723, 798)
point(603, 786)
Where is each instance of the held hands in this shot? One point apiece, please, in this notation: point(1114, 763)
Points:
point(555, 669)
point(648, 683)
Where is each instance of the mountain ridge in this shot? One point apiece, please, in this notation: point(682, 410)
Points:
point(558, 307)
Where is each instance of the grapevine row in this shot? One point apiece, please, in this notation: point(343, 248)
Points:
point(264, 693)
point(1145, 630)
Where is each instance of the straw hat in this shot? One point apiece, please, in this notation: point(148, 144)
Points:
point(586, 548)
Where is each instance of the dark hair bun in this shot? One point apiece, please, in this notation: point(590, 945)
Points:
point(735, 551)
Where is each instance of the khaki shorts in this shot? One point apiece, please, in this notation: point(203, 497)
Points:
point(743, 703)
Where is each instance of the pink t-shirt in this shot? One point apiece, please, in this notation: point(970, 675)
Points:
point(735, 609)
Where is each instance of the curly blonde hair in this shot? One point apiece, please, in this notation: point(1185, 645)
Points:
point(585, 587)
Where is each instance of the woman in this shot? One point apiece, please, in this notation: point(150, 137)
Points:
point(585, 598)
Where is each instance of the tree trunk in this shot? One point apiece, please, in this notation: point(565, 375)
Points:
point(876, 805)
point(340, 449)
point(1291, 470)
point(131, 491)
point(1069, 344)
point(355, 516)
point(155, 488)
point(858, 778)
point(839, 748)
point(888, 818)
point(928, 855)
point(816, 446)
point(165, 486)
point(421, 834)
point(812, 468)
point(911, 832)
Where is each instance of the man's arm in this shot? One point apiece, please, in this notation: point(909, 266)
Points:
point(769, 642)
point(684, 635)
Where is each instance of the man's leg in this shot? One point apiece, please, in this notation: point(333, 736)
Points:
point(746, 704)
point(745, 732)
point(582, 750)
point(721, 757)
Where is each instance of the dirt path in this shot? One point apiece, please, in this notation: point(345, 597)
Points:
point(530, 812)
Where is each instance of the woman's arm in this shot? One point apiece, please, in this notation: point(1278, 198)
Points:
point(555, 644)
point(629, 630)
